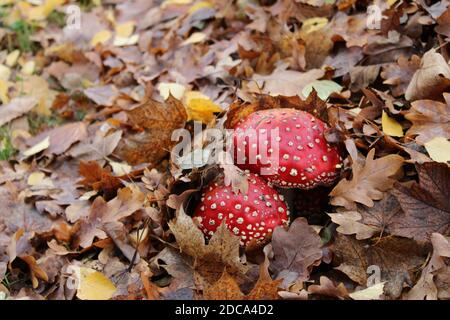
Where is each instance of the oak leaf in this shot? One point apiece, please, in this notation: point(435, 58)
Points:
point(430, 119)
point(368, 182)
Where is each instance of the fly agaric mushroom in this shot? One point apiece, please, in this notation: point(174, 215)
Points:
point(304, 159)
point(250, 216)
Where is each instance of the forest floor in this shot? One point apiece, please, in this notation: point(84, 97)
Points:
point(95, 206)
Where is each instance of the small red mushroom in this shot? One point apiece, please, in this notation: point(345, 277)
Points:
point(250, 216)
point(304, 158)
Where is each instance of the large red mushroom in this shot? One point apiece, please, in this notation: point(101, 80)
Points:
point(304, 159)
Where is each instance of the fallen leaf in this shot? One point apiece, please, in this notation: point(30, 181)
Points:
point(285, 82)
point(368, 182)
point(426, 288)
point(38, 147)
point(94, 285)
point(430, 119)
point(101, 37)
point(102, 95)
point(158, 121)
point(328, 288)
point(295, 251)
point(439, 149)
point(371, 293)
point(426, 204)
point(62, 137)
point(399, 74)
point(15, 108)
point(175, 89)
point(391, 126)
point(397, 260)
point(431, 79)
point(200, 107)
point(324, 88)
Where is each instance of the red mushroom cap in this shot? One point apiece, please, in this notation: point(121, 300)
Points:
point(305, 159)
point(251, 216)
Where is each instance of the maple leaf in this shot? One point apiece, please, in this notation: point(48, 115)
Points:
point(399, 74)
point(431, 79)
point(156, 121)
point(385, 216)
point(426, 288)
point(426, 204)
point(295, 251)
point(368, 182)
point(209, 260)
point(397, 259)
point(430, 119)
point(226, 288)
point(98, 178)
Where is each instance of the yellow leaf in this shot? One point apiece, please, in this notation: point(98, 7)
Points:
point(94, 285)
point(196, 37)
point(12, 57)
point(38, 13)
point(101, 37)
point(5, 72)
point(390, 126)
point(391, 2)
point(125, 30)
point(200, 107)
point(6, 2)
point(4, 87)
point(121, 41)
point(42, 145)
point(200, 5)
point(29, 67)
point(439, 149)
point(176, 89)
point(314, 24)
point(35, 178)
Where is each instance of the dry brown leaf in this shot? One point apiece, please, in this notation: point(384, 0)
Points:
point(226, 288)
point(430, 119)
point(426, 204)
point(397, 260)
point(15, 108)
point(128, 201)
point(399, 74)
point(368, 182)
point(61, 138)
point(156, 122)
point(328, 288)
point(431, 79)
point(285, 82)
point(209, 260)
point(425, 288)
point(295, 251)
